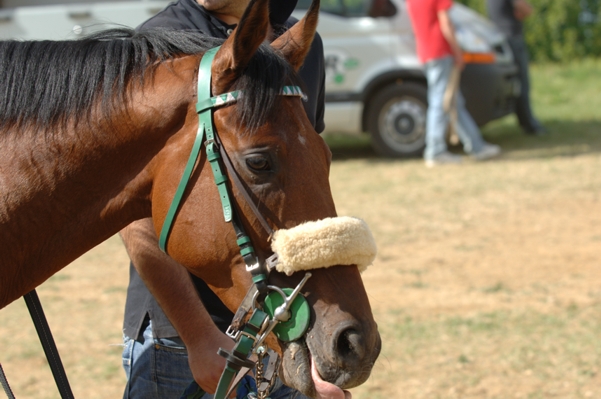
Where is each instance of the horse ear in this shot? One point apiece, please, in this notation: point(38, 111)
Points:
point(238, 49)
point(296, 42)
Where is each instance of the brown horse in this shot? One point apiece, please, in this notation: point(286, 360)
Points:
point(95, 134)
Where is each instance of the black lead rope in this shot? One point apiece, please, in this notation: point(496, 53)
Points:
point(41, 325)
point(5, 385)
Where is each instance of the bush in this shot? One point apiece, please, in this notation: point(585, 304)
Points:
point(559, 30)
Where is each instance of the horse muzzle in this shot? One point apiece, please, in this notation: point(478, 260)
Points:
point(343, 361)
point(343, 342)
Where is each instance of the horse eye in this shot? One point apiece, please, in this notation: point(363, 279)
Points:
point(258, 163)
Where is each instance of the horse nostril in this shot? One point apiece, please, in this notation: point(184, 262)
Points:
point(350, 345)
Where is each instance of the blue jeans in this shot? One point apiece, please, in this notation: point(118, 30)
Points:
point(158, 369)
point(438, 72)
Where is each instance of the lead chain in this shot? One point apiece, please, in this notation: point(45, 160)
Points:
point(262, 393)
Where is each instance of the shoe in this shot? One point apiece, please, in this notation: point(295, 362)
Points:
point(539, 130)
point(487, 151)
point(444, 158)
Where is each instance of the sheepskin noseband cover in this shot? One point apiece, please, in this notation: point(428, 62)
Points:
point(332, 241)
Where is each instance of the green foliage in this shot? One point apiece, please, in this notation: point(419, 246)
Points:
point(559, 30)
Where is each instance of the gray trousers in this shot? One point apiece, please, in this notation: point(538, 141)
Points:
point(523, 110)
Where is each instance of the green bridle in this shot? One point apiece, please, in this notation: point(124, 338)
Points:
point(282, 311)
point(206, 133)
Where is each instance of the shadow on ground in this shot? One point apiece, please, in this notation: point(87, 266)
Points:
point(564, 138)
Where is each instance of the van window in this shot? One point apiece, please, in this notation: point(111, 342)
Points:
point(353, 8)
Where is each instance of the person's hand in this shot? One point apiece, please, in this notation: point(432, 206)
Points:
point(458, 59)
point(327, 390)
point(521, 9)
point(205, 363)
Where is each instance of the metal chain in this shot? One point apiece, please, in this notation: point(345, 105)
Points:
point(262, 394)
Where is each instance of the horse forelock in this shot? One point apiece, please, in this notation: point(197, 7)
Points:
point(262, 82)
point(49, 83)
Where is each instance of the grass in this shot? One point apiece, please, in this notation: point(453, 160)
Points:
point(536, 354)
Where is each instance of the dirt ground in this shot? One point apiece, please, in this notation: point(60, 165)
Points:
point(487, 282)
point(488, 278)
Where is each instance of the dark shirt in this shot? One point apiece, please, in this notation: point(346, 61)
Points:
point(501, 14)
point(189, 15)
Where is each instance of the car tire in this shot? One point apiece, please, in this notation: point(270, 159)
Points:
point(396, 120)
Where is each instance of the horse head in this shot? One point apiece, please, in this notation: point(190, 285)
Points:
point(283, 165)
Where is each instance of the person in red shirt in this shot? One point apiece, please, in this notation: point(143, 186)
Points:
point(439, 51)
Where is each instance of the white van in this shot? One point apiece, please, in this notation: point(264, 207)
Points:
point(375, 83)
point(69, 19)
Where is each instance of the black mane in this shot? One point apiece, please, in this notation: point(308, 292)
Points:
point(48, 83)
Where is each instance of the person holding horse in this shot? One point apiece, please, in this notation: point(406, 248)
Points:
point(169, 343)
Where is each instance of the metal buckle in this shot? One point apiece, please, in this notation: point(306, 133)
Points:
point(248, 335)
point(210, 141)
point(233, 333)
point(272, 262)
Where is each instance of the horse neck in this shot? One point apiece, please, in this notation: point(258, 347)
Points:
point(64, 193)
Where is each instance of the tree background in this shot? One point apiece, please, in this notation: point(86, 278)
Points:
point(559, 30)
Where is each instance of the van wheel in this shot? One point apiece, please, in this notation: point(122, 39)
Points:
point(396, 120)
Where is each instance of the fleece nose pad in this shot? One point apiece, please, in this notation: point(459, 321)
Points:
point(328, 242)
